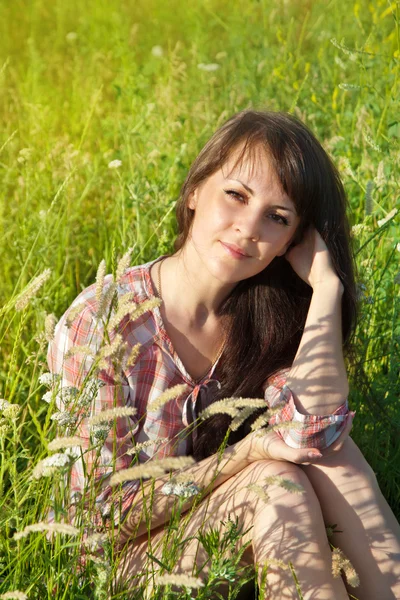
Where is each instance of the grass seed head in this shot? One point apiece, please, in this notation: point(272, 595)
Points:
point(179, 580)
point(42, 526)
point(31, 290)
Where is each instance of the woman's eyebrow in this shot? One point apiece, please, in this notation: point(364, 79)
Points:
point(274, 206)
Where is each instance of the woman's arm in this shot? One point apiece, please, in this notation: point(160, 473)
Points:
point(318, 378)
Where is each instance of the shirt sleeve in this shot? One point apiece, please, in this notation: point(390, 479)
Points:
point(82, 393)
point(307, 431)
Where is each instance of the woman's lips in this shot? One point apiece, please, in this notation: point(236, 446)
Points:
point(234, 253)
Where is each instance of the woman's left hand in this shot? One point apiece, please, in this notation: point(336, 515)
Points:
point(311, 260)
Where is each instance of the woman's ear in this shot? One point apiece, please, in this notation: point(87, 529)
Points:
point(192, 202)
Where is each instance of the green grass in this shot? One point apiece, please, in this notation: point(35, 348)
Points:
point(80, 87)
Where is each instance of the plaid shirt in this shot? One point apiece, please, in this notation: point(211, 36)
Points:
point(156, 369)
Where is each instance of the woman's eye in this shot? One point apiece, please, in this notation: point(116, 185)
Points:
point(234, 194)
point(279, 219)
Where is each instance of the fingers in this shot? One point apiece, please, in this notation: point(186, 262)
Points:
point(337, 444)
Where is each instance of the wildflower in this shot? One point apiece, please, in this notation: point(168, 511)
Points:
point(66, 395)
point(49, 465)
point(49, 379)
point(14, 595)
point(49, 326)
point(64, 442)
point(287, 484)
point(31, 289)
point(398, 247)
point(64, 418)
point(95, 541)
point(48, 397)
point(157, 51)
point(62, 528)
point(166, 396)
point(24, 155)
point(178, 579)
point(257, 489)
point(357, 229)
point(208, 67)
point(155, 469)
point(71, 36)
point(180, 489)
point(112, 413)
point(341, 562)
point(4, 427)
point(10, 411)
point(100, 432)
point(388, 217)
point(101, 272)
point(114, 164)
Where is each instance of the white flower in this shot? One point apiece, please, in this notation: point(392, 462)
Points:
point(48, 379)
point(398, 247)
point(48, 466)
point(71, 36)
point(9, 410)
point(63, 418)
point(157, 51)
point(66, 395)
point(181, 489)
point(4, 404)
point(208, 67)
point(114, 164)
point(48, 396)
point(100, 431)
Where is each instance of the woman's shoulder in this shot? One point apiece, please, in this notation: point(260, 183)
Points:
point(94, 302)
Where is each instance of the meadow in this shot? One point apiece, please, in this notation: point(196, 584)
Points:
point(103, 107)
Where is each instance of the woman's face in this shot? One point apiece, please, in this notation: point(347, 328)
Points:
point(241, 211)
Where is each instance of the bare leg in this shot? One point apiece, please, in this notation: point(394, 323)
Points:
point(289, 527)
point(349, 495)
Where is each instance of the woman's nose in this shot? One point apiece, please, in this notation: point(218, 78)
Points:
point(249, 226)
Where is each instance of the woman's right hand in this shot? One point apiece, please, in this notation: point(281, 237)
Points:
point(270, 445)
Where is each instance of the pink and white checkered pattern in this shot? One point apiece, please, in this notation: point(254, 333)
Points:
point(156, 369)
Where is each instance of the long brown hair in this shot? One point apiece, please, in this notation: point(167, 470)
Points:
point(264, 315)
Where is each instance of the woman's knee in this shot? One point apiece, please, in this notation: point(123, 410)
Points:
point(279, 475)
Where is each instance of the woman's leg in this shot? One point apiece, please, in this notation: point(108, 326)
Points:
point(349, 496)
point(289, 527)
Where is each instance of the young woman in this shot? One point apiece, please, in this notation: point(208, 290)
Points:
point(257, 301)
